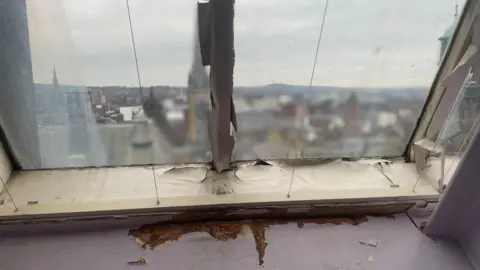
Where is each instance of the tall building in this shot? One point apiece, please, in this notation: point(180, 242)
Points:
point(55, 79)
point(447, 35)
point(198, 82)
point(56, 95)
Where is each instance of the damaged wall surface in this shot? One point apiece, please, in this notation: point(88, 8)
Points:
point(377, 243)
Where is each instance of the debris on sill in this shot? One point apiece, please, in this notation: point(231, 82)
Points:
point(181, 174)
point(300, 162)
point(370, 243)
point(156, 235)
point(140, 261)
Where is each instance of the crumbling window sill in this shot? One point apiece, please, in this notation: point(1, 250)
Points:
point(50, 192)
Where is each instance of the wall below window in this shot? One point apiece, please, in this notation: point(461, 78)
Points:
point(399, 245)
point(471, 244)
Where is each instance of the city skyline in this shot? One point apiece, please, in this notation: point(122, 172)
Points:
point(364, 44)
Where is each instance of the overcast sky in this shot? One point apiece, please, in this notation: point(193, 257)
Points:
point(365, 42)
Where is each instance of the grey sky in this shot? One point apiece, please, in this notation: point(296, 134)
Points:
point(365, 42)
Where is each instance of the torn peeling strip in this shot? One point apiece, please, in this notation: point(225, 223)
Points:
point(184, 175)
point(320, 161)
point(156, 235)
point(258, 162)
point(300, 162)
point(160, 169)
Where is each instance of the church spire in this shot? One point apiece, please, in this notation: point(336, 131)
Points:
point(197, 76)
point(55, 79)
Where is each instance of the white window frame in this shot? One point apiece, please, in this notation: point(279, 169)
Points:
point(5, 167)
point(437, 104)
point(439, 101)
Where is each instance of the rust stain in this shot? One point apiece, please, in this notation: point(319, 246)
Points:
point(155, 235)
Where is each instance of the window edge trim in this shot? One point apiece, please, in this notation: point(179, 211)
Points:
point(455, 50)
point(148, 206)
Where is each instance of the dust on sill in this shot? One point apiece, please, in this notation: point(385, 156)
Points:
point(196, 184)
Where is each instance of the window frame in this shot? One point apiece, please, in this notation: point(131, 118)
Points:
point(6, 167)
point(439, 102)
point(424, 124)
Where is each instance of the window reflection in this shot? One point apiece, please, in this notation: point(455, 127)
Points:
point(92, 107)
point(462, 124)
point(375, 64)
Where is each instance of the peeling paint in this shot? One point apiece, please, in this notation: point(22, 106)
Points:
point(299, 209)
point(248, 212)
point(156, 235)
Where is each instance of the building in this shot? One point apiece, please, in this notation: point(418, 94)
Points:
point(447, 35)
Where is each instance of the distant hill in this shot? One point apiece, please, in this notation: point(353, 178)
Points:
point(270, 90)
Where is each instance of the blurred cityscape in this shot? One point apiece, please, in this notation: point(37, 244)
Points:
point(111, 126)
point(274, 121)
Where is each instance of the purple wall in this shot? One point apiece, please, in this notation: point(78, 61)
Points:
point(457, 215)
point(400, 246)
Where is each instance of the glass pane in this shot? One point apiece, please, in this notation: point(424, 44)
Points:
point(89, 104)
point(459, 129)
point(375, 64)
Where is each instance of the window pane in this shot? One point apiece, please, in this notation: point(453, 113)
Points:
point(376, 61)
point(457, 132)
point(90, 110)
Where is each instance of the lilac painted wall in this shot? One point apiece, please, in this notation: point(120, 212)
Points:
point(457, 215)
point(471, 245)
point(400, 246)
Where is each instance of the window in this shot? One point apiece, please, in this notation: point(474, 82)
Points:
point(369, 80)
point(320, 88)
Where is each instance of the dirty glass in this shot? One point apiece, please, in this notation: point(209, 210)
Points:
point(459, 129)
point(91, 96)
point(117, 85)
point(375, 64)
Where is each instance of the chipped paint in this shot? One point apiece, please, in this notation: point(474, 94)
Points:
point(299, 209)
point(156, 235)
point(248, 212)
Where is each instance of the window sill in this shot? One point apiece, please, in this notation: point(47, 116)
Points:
point(132, 189)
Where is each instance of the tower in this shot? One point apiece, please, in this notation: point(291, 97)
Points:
point(447, 35)
point(55, 79)
point(56, 95)
point(197, 83)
